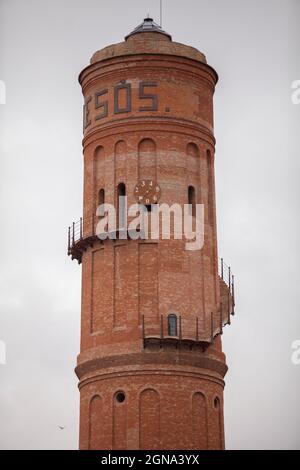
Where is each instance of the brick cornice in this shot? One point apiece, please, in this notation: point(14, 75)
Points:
point(147, 60)
point(151, 124)
point(140, 363)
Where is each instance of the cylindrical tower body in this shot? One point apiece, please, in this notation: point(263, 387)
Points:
point(151, 366)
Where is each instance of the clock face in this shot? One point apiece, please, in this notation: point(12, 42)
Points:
point(147, 192)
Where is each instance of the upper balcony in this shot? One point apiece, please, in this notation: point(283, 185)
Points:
point(80, 238)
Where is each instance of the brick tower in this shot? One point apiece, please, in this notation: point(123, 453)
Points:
point(151, 365)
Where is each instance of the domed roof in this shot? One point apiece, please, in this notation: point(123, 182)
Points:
point(148, 38)
point(148, 26)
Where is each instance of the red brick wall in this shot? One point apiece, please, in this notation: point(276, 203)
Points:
point(163, 409)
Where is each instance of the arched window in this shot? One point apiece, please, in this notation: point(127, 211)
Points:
point(216, 403)
point(192, 200)
point(101, 198)
point(121, 205)
point(121, 189)
point(172, 325)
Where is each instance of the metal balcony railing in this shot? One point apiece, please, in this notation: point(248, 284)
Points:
point(75, 233)
point(80, 236)
point(225, 272)
point(191, 332)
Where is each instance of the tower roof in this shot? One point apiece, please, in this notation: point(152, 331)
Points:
point(148, 26)
point(139, 41)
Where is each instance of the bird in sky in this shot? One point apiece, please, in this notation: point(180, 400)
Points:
point(62, 427)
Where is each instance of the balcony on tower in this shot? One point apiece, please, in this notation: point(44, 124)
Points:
point(192, 332)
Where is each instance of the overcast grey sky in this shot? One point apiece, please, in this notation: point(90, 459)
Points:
point(254, 46)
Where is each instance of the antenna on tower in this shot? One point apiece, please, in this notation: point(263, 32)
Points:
point(161, 12)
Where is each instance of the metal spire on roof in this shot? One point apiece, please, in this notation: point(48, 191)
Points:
point(148, 25)
point(160, 13)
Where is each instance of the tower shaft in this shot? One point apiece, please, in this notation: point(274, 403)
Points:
point(151, 365)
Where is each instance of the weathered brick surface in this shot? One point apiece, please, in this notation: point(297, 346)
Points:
point(173, 396)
